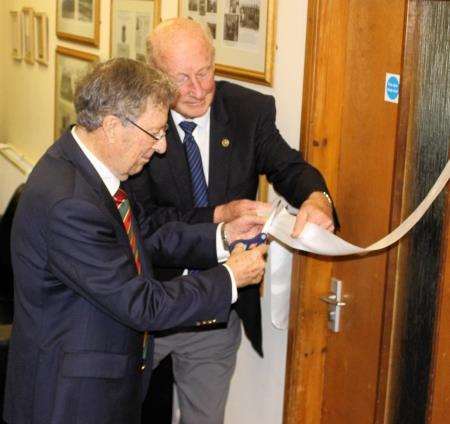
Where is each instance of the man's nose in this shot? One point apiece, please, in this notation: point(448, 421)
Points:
point(160, 146)
point(196, 88)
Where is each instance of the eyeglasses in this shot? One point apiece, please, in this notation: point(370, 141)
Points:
point(155, 137)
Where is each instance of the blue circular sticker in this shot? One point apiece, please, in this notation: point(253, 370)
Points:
point(392, 87)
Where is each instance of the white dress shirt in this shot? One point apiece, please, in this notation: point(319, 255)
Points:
point(112, 183)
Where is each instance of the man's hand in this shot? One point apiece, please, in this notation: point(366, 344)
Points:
point(245, 227)
point(247, 265)
point(316, 209)
point(232, 210)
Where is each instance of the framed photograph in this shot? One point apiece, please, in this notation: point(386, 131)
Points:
point(28, 34)
point(41, 46)
point(70, 66)
point(131, 22)
point(78, 20)
point(16, 34)
point(243, 33)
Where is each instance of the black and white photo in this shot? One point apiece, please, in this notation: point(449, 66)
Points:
point(231, 27)
point(193, 5)
point(212, 29)
point(211, 6)
point(68, 9)
point(131, 22)
point(249, 14)
point(85, 11)
point(78, 21)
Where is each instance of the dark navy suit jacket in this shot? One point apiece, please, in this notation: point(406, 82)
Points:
point(81, 308)
point(246, 119)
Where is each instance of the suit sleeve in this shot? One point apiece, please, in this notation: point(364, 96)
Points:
point(86, 255)
point(180, 245)
point(292, 177)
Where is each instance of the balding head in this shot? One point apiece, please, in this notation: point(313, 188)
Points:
point(169, 35)
point(183, 49)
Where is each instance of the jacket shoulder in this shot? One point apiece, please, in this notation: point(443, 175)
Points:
point(52, 178)
point(237, 94)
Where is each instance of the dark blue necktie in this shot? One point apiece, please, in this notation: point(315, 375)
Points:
point(199, 187)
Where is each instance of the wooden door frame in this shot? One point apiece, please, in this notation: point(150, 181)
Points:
point(307, 336)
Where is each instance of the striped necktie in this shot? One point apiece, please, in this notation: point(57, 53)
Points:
point(199, 187)
point(123, 205)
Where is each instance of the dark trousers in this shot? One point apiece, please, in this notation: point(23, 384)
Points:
point(157, 407)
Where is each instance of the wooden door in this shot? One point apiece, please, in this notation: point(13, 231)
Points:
point(367, 149)
point(349, 132)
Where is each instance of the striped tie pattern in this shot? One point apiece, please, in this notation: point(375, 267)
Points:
point(199, 187)
point(123, 205)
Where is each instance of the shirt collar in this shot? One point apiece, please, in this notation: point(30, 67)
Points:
point(201, 121)
point(111, 182)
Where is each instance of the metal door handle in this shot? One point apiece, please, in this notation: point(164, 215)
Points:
point(335, 303)
point(331, 299)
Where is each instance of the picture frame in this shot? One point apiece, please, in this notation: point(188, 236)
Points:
point(41, 46)
point(131, 22)
point(70, 66)
point(28, 34)
point(16, 34)
point(79, 21)
point(243, 32)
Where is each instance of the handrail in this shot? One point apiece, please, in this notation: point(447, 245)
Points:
point(16, 159)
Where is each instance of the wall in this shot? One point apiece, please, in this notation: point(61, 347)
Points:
point(257, 389)
point(29, 89)
point(26, 100)
point(3, 57)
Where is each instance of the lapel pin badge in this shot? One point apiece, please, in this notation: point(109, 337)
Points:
point(225, 142)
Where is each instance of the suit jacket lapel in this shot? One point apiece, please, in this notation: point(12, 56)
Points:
point(220, 151)
point(73, 154)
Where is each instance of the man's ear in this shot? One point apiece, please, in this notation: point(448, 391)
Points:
point(111, 125)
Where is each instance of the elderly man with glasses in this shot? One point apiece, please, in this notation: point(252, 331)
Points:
point(86, 301)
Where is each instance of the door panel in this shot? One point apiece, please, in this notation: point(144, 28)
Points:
point(364, 191)
point(349, 132)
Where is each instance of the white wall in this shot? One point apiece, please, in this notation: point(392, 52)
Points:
point(258, 384)
point(3, 55)
point(26, 121)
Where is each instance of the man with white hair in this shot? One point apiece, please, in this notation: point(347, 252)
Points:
point(234, 133)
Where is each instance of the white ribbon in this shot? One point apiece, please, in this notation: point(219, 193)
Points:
point(316, 240)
